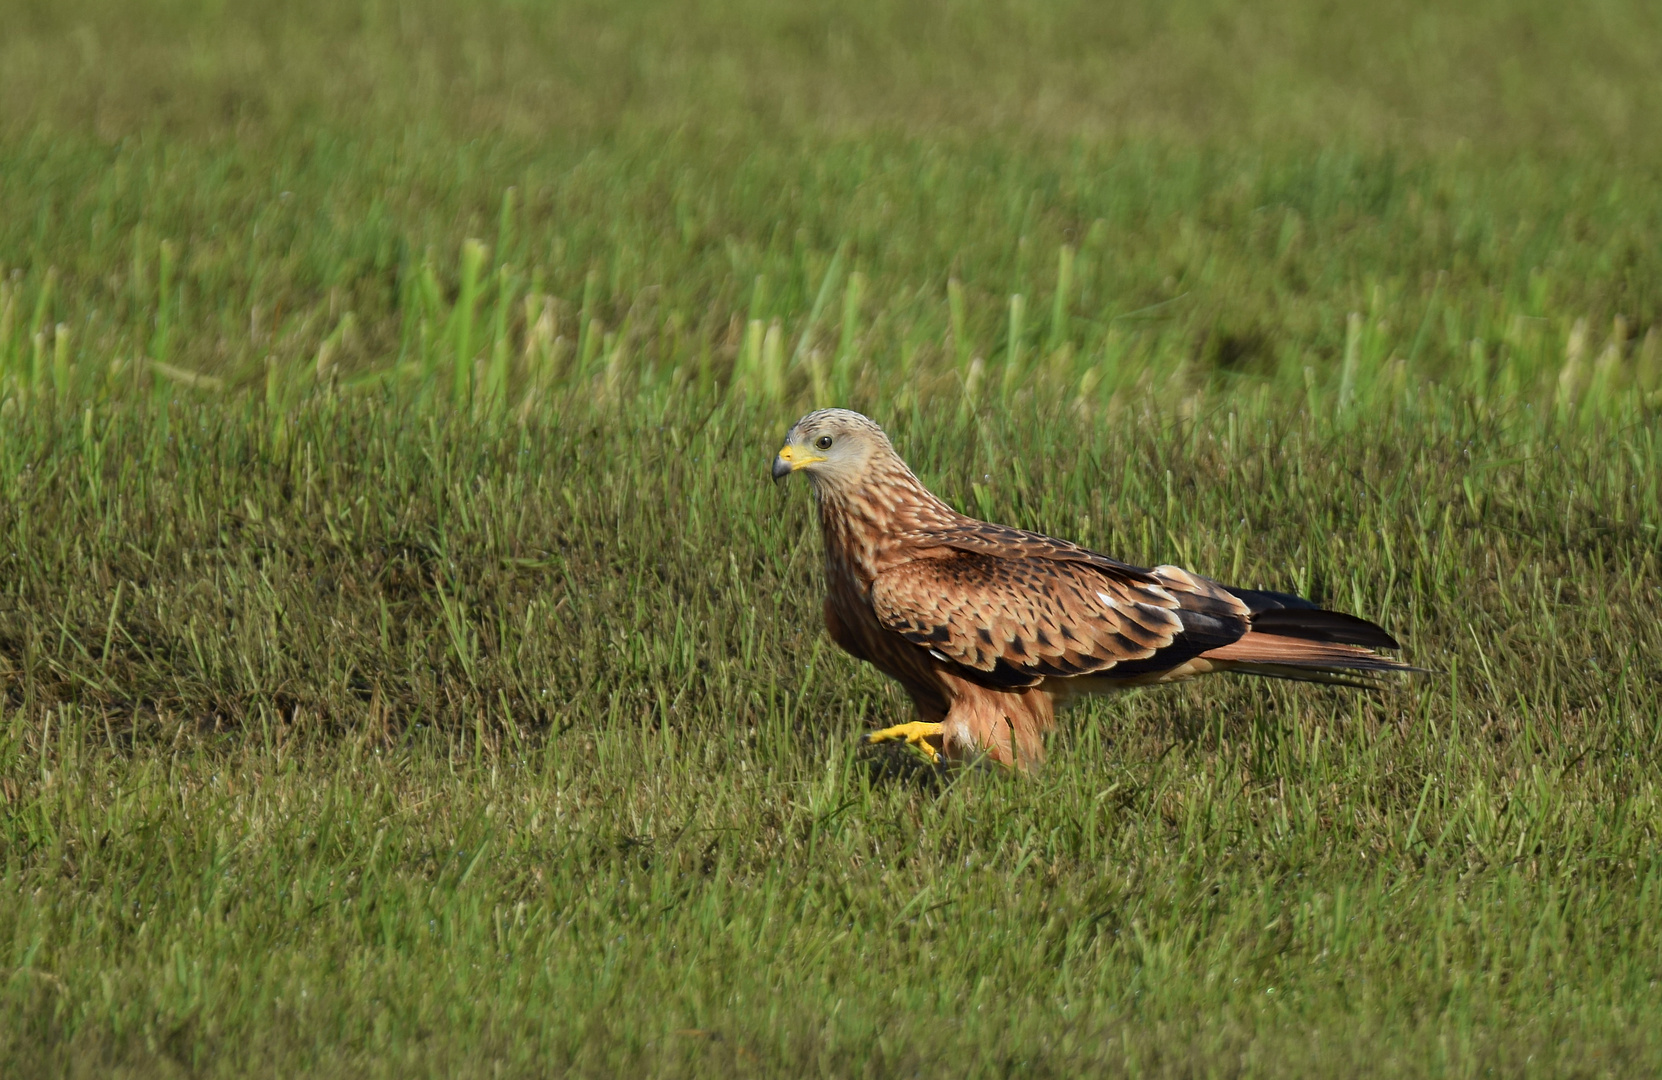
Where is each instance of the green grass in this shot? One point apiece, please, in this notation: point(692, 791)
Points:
point(407, 668)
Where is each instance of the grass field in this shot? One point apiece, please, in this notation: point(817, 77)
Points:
point(406, 667)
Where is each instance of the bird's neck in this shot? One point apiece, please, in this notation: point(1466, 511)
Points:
point(868, 525)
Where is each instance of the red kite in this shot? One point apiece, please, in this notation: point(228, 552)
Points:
point(989, 629)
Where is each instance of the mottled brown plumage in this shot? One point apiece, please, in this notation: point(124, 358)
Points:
point(989, 628)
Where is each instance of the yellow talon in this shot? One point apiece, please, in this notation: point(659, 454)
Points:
point(916, 735)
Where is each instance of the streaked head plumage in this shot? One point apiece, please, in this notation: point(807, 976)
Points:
point(832, 446)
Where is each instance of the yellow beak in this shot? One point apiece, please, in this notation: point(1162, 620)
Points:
point(789, 459)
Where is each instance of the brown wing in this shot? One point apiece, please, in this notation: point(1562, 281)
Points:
point(1003, 541)
point(1019, 619)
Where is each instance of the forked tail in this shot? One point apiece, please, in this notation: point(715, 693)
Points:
point(1291, 638)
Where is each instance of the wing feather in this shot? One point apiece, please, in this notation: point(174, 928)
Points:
point(1019, 618)
point(1003, 541)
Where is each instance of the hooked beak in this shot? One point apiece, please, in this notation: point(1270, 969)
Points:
point(789, 459)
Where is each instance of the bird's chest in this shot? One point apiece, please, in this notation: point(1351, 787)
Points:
point(858, 548)
point(854, 626)
point(850, 557)
point(848, 603)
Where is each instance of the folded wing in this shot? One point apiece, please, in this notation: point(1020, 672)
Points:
point(1012, 621)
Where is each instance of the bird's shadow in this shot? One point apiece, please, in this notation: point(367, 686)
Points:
point(898, 765)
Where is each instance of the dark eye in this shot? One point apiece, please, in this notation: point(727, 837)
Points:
point(823, 442)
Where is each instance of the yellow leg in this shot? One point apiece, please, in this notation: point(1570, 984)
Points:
point(915, 735)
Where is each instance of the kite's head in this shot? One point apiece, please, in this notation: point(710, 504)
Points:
point(831, 445)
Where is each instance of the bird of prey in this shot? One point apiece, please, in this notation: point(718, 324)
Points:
point(990, 629)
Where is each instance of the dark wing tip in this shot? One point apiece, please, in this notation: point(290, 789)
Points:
point(1317, 624)
point(1262, 600)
